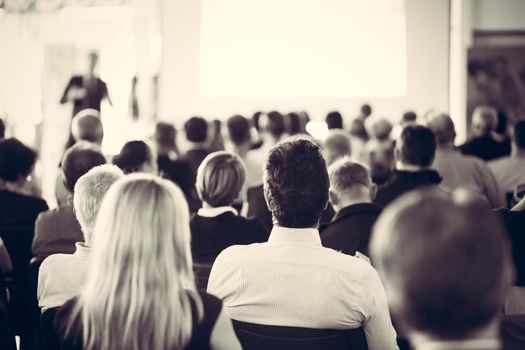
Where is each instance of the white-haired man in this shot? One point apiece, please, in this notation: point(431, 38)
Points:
point(61, 276)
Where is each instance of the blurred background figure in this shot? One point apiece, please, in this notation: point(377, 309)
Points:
point(85, 91)
point(357, 128)
point(461, 171)
point(334, 120)
point(483, 143)
point(137, 156)
point(336, 145)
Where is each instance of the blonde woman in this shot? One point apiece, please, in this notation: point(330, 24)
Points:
point(140, 290)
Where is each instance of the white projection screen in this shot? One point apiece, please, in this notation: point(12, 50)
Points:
point(302, 48)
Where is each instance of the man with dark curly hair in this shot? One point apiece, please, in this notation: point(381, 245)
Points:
point(292, 280)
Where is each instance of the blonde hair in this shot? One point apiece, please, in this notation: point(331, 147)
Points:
point(140, 282)
point(220, 178)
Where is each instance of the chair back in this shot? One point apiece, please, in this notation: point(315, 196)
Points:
point(513, 332)
point(259, 337)
point(202, 271)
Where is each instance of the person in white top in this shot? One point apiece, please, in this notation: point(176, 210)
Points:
point(61, 276)
point(292, 280)
point(458, 170)
point(510, 171)
point(446, 265)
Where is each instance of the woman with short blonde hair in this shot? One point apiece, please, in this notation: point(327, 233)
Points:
point(140, 291)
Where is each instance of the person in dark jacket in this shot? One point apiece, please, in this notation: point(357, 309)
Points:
point(415, 152)
point(351, 193)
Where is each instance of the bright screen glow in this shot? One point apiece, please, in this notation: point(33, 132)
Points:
point(302, 48)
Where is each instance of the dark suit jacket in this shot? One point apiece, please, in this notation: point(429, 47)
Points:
point(210, 236)
point(350, 229)
point(403, 182)
point(486, 148)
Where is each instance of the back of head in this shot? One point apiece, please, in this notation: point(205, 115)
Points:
point(220, 178)
point(484, 121)
point(445, 266)
point(379, 128)
point(238, 130)
point(78, 160)
point(196, 129)
point(336, 145)
point(165, 135)
point(87, 126)
point(416, 146)
point(136, 156)
point(409, 117)
point(140, 270)
point(89, 192)
point(294, 123)
point(296, 183)
point(346, 174)
point(518, 134)
point(334, 120)
point(443, 128)
point(275, 125)
point(366, 110)
point(16, 160)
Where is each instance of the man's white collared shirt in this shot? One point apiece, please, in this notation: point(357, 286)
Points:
point(292, 280)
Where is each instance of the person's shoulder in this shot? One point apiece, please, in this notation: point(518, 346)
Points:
point(54, 260)
point(239, 252)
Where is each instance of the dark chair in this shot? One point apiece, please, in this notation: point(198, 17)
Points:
point(513, 332)
point(202, 271)
point(261, 337)
point(7, 336)
point(18, 244)
point(48, 338)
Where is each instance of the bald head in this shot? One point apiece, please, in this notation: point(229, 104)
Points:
point(443, 128)
point(87, 126)
point(484, 121)
point(445, 264)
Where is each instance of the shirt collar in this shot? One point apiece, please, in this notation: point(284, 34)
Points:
point(475, 344)
point(213, 212)
point(82, 250)
point(282, 234)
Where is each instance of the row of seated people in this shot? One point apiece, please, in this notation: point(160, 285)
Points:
point(291, 280)
point(221, 177)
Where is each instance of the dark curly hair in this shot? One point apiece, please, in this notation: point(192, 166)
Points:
point(16, 160)
point(296, 183)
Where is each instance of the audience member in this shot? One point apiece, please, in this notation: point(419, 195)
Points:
point(415, 151)
point(196, 130)
point(334, 120)
point(139, 291)
point(351, 194)
point(336, 145)
point(240, 139)
point(177, 170)
point(293, 124)
point(61, 276)
point(461, 171)
point(446, 269)
point(216, 142)
point(18, 211)
point(379, 129)
point(482, 144)
point(2, 129)
point(217, 225)
point(137, 157)
point(272, 128)
point(357, 128)
point(281, 282)
point(510, 171)
point(57, 230)
point(379, 156)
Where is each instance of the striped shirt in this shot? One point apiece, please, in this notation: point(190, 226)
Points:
point(292, 280)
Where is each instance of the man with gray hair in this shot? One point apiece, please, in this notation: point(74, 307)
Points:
point(461, 171)
point(61, 276)
point(483, 144)
point(336, 145)
point(446, 266)
point(351, 193)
